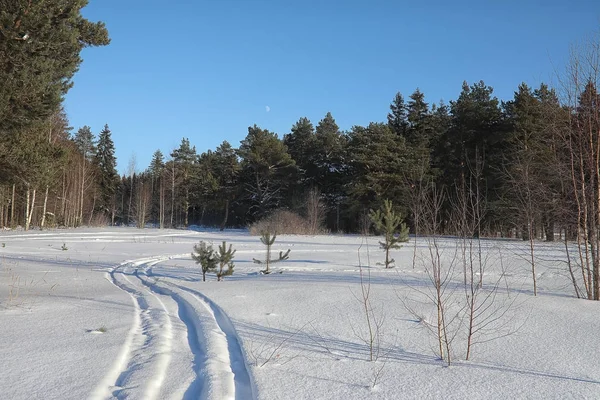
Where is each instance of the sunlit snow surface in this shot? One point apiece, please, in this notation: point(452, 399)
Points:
point(123, 313)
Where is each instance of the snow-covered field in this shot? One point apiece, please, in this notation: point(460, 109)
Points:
point(123, 313)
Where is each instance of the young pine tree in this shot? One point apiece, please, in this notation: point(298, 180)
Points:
point(392, 226)
point(225, 259)
point(205, 256)
point(267, 239)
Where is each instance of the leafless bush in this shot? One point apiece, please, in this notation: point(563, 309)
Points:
point(465, 310)
point(364, 223)
point(282, 222)
point(372, 333)
point(274, 349)
point(315, 211)
point(100, 219)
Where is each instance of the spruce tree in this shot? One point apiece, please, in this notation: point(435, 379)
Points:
point(155, 172)
point(108, 179)
point(398, 115)
point(157, 164)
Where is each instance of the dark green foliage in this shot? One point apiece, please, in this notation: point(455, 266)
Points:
point(225, 259)
point(157, 164)
point(300, 143)
point(391, 224)
point(331, 167)
point(379, 165)
point(473, 148)
point(267, 171)
point(185, 162)
point(268, 239)
point(40, 45)
point(85, 142)
point(106, 163)
point(205, 256)
point(398, 116)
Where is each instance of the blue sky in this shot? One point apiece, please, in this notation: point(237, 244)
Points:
point(206, 70)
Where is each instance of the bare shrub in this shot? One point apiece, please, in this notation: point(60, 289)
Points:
point(364, 223)
point(315, 211)
point(100, 219)
point(282, 222)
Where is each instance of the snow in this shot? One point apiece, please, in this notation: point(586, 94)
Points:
point(123, 313)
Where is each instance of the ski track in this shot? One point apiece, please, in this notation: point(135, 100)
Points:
point(244, 385)
point(220, 369)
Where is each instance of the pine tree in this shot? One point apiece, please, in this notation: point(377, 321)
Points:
point(268, 238)
point(267, 171)
point(108, 179)
point(226, 169)
point(155, 171)
point(378, 166)
point(185, 161)
point(225, 259)
point(391, 224)
point(85, 142)
point(40, 47)
point(301, 143)
point(331, 167)
point(205, 256)
point(473, 148)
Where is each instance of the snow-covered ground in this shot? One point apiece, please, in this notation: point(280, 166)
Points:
point(123, 313)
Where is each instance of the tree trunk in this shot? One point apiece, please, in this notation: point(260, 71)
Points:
point(224, 223)
point(172, 193)
point(29, 210)
point(12, 207)
point(130, 199)
point(81, 194)
point(43, 222)
point(161, 204)
point(92, 210)
point(187, 207)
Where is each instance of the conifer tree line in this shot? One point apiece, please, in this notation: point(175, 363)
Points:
point(511, 158)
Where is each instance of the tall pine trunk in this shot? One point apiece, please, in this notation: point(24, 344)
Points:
point(12, 207)
point(43, 222)
point(28, 210)
point(224, 223)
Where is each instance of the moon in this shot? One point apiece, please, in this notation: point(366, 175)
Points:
point(267, 108)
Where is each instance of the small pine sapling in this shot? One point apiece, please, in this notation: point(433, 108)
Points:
point(267, 239)
point(205, 256)
point(225, 259)
point(392, 226)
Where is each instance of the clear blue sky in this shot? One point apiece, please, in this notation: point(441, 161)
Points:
point(207, 70)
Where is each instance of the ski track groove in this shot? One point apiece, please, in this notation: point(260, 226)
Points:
point(220, 367)
point(148, 344)
point(244, 385)
point(103, 390)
